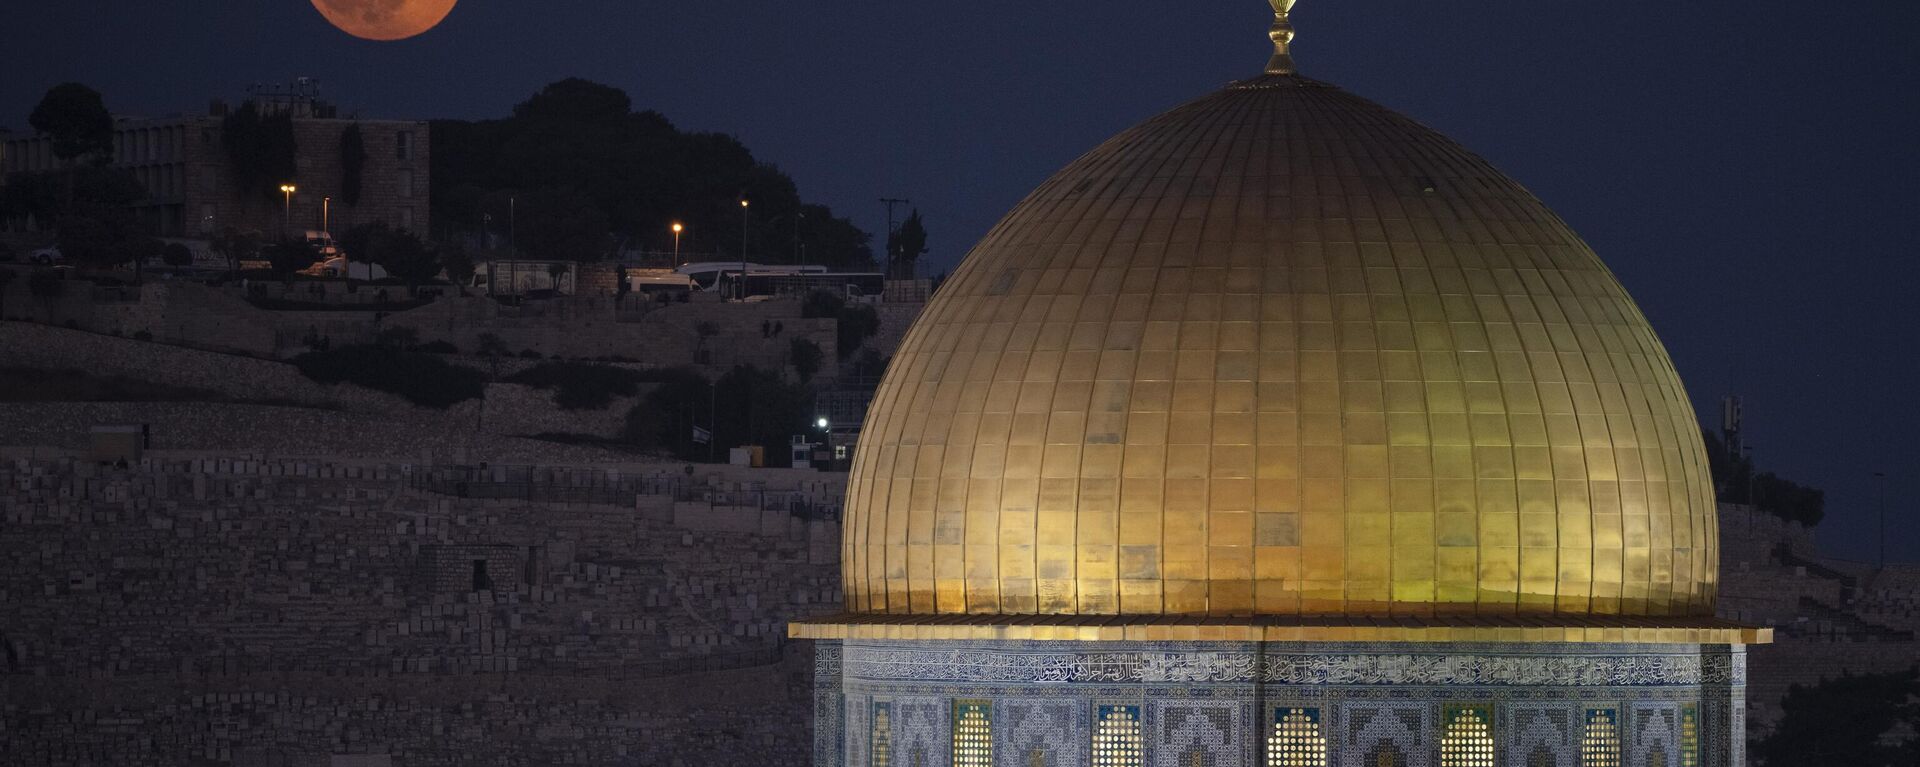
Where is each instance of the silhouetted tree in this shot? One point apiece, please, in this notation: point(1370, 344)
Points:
point(805, 356)
point(75, 119)
point(905, 246)
point(1868, 720)
point(236, 245)
point(635, 170)
point(177, 255)
point(291, 255)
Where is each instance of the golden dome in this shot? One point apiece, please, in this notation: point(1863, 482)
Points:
point(1281, 351)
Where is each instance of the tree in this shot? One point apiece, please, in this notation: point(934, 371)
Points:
point(905, 246)
point(457, 263)
point(632, 170)
point(177, 255)
point(353, 163)
point(76, 120)
point(291, 255)
point(104, 241)
point(1868, 720)
point(562, 225)
point(236, 245)
point(398, 251)
point(805, 356)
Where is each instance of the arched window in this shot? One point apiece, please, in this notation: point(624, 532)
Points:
point(972, 733)
point(1467, 740)
point(880, 751)
point(1297, 739)
point(1689, 736)
point(1600, 741)
point(1117, 737)
point(1385, 755)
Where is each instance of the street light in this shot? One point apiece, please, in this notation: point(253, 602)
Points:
point(677, 229)
point(740, 286)
point(326, 214)
point(286, 222)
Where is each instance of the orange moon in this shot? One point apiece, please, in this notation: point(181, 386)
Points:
point(384, 19)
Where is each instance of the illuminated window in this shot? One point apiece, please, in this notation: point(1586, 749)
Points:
point(1467, 740)
point(882, 740)
point(1600, 743)
point(1296, 739)
point(1116, 737)
point(1689, 736)
point(972, 733)
point(1385, 755)
point(1657, 757)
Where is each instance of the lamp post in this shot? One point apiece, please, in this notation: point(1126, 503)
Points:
point(326, 216)
point(677, 229)
point(286, 220)
point(827, 426)
point(740, 285)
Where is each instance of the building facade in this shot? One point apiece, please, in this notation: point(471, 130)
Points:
point(191, 192)
point(1281, 430)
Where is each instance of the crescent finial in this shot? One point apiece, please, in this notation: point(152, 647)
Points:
point(1282, 34)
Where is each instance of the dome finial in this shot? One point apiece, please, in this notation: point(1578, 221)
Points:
point(1282, 34)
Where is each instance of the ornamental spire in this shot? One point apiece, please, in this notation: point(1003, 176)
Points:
point(1282, 34)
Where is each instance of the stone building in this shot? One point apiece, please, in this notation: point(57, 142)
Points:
point(190, 184)
point(1281, 430)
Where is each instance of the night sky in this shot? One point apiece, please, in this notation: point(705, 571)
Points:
point(1750, 170)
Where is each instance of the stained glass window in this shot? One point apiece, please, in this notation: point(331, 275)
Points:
point(881, 748)
point(1467, 740)
point(1689, 736)
point(1600, 742)
point(1297, 739)
point(1117, 736)
point(972, 733)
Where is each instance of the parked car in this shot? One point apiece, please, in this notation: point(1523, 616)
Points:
point(46, 256)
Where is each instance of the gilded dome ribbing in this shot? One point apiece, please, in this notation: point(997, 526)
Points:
point(1281, 351)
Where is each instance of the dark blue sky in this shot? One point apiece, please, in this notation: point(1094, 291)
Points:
point(1751, 170)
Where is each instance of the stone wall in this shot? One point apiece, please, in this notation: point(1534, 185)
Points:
point(263, 611)
point(1831, 617)
point(235, 376)
point(663, 335)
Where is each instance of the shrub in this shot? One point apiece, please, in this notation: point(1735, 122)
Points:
point(806, 357)
point(529, 354)
point(422, 379)
point(141, 335)
point(438, 347)
point(177, 254)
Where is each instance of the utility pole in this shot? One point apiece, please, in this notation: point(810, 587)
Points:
point(1882, 476)
point(890, 202)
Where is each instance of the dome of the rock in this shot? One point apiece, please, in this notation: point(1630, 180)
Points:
point(1281, 351)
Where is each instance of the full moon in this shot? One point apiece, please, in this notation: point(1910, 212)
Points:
point(384, 19)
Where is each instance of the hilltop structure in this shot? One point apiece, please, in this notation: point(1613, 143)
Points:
point(1281, 430)
point(193, 191)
